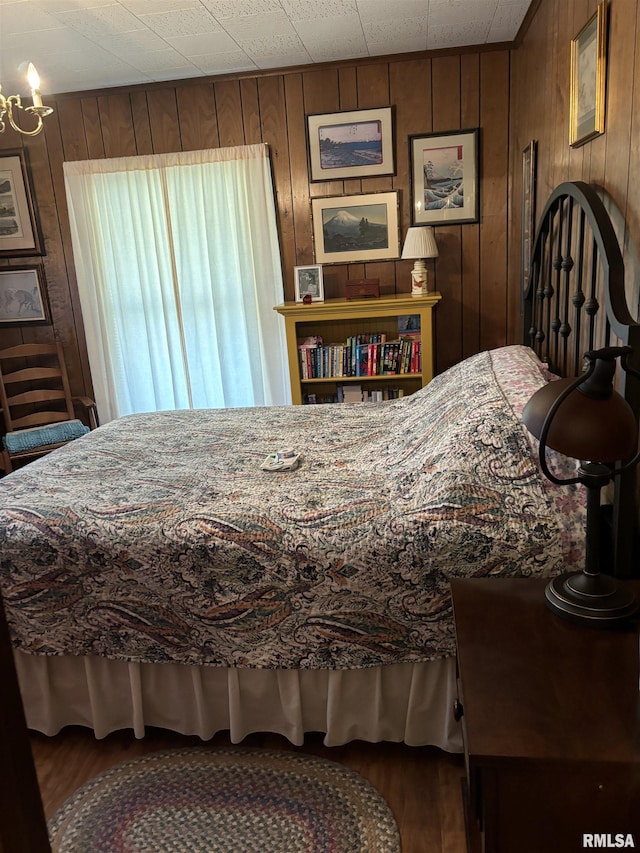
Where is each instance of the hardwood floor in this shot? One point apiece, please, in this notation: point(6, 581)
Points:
point(420, 784)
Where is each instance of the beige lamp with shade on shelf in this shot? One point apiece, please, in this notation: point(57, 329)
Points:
point(419, 244)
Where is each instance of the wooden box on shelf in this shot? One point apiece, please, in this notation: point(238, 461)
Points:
point(364, 288)
point(335, 326)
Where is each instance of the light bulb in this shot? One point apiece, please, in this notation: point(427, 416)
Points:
point(34, 81)
point(33, 77)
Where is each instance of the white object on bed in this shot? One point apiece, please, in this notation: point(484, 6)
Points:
point(283, 460)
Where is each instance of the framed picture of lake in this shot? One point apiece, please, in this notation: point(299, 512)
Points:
point(18, 228)
point(356, 228)
point(354, 144)
point(445, 186)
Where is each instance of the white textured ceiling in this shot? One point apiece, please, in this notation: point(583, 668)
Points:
point(78, 45)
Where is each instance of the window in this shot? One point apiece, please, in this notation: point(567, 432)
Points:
point(178, 269)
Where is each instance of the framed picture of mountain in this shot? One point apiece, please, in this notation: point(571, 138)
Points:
point(354, 144)
point(356, 228)
point(444, 178)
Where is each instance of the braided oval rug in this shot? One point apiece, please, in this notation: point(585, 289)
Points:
point(228, 800)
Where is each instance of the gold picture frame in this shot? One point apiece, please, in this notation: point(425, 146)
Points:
point(588, 79)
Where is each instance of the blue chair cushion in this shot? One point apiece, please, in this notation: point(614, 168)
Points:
point(30, 439)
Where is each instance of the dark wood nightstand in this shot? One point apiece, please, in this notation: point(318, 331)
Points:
point(551, 722)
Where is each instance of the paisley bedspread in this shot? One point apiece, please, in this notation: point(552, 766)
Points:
point(157, 537)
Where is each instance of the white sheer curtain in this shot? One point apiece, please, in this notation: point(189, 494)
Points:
point(178, 269)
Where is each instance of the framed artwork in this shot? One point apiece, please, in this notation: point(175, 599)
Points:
point(528, 209)
point(356, 228)
point(308, 282)
point(18, 227)
point(444, 178)
point(588, 79)
point(23, 296)
point(355, 144)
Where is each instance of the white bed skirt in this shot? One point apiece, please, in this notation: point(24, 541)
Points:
point(410, 703)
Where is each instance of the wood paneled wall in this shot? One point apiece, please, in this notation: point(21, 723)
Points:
point(540, 104)
point(429, 93)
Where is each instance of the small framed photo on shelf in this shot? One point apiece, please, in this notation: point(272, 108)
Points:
point(23, 298)
point(18, 227)
point(354, 144)
point(308, 282)
point(445, 186)
point(588, 79)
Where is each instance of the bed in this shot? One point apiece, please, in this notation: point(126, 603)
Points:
point(154, 575)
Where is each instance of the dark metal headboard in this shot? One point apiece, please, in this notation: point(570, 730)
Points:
point(575, 301)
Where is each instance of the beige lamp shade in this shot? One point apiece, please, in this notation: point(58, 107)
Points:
point(420, 243)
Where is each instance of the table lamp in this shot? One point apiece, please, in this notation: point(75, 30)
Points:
point(420, 243)
point(586, 419)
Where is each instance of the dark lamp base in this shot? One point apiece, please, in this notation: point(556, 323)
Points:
point(597, 600)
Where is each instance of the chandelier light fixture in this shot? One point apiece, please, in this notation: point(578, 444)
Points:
point(8, 105)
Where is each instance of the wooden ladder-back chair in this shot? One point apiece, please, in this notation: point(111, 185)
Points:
point(37, 406)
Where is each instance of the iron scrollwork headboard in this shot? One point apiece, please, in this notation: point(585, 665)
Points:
point(574, 302)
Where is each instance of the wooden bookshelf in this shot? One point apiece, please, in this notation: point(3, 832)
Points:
point(336, 320)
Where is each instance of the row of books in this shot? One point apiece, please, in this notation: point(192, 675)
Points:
point(360, 359)
point(356, 394)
